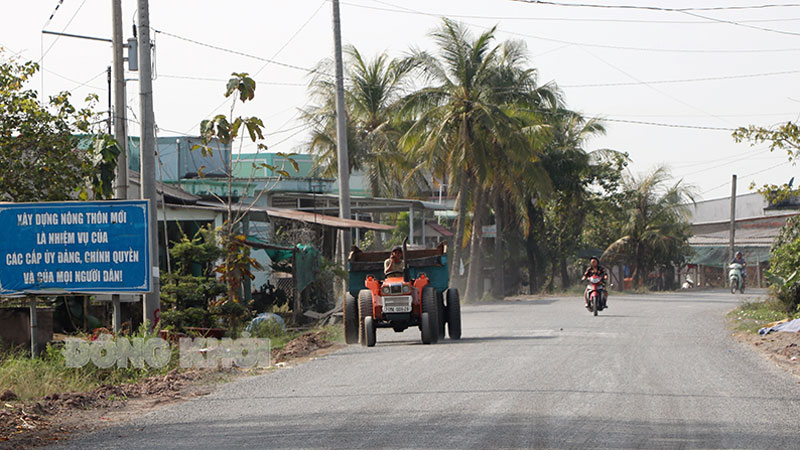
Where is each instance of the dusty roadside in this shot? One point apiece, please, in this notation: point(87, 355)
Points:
point(61, 416)
point(780, 347)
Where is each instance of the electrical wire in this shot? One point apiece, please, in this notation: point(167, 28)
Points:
point(235, 52)
point(561, 19)
point(660, 8)
point(268, 83)
point(666, 94)
point(739, 24)
point(683, 80)
point(405, 10)
point(62, 30)
point(665, 125)
point(744, 176)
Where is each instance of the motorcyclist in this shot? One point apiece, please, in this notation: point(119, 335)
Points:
point(393, 266)
point(596, 269)
point(739, 259)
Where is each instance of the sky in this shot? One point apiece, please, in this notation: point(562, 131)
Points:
point(669, 85)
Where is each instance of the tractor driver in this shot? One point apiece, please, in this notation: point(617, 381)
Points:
point(393, 266)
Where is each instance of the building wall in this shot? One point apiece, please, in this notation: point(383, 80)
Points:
point(176, 155)
point(747, 205)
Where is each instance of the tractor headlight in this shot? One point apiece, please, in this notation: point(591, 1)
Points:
point(385, 290)
point(406, 289)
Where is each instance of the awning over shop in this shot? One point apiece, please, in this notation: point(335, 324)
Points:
point(718, 256)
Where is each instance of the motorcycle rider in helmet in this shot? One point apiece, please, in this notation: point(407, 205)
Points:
point(596, 269)
point(739, 259)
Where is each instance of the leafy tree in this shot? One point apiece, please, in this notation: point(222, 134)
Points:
point(784, 137)
point(784, 261)
point(227, 131)
point(50, 152)
point(191, 291)
point(655, 229)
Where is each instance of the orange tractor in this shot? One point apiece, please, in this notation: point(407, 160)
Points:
point(420, 297)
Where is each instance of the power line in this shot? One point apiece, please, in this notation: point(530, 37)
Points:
point(270, 60)
point(78, 83)
point(294, 35)
point(235, 52)
point(188, 77)
point(739, 24)
point(559, 19)
point(743, 176)
point(665, 125)
point(666, 94)
point(62, 30)
point(404, 10)
point(683, 80)
point(660, 8)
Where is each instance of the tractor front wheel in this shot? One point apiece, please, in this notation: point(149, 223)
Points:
point(429, 305)
point(350, 312)
point(369, 331)
point(364, 311)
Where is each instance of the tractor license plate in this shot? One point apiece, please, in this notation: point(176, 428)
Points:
point(396, 309)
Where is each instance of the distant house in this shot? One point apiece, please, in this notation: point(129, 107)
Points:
point(756, 226)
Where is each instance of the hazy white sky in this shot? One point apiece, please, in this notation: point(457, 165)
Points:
point(664, 67)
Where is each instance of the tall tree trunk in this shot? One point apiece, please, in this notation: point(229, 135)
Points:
point(565, 281)
point(637, 271)
point(475, 271)
point(532, 248)
point(498, 284)
point(458, 240)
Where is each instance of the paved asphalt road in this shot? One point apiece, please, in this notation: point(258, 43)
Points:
point(653, 371)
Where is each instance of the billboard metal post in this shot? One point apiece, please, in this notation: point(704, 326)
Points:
point(34, 326)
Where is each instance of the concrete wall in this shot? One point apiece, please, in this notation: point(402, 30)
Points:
point(15, 326)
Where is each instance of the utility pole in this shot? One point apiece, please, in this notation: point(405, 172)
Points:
point(120, 106)
point(341, 136)
point(120, 102)
point(152, 301)
point(733, 217)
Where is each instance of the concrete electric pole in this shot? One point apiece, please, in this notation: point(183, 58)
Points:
point(733, 218)
point(147, 155)
point(341, 135)
point(120, 134)
point(120, 102)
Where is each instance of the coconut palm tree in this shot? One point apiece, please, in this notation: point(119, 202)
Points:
point(463, 126)
point(372, 89)
point(656, 220)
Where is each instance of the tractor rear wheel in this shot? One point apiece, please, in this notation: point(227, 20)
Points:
point(369, 331)
point(442, 312)
point(364, 311)
point(350, 312)
point(429, 305)
point(453, 314)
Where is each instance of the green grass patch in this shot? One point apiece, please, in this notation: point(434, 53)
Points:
point(33, 378)
point(749, 317)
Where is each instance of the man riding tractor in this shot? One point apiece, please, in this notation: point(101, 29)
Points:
point(414, 292)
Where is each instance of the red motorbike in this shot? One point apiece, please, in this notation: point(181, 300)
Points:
point(595, 295)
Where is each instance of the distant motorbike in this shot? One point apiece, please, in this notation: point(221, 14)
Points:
point(595, 294)
point(735, 278)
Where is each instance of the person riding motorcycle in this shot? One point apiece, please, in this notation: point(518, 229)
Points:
point(596, 269)
point(739, 259)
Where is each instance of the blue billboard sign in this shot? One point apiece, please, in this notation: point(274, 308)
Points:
point(74, 247)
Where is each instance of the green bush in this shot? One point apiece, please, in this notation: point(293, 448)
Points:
point(784, 259)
